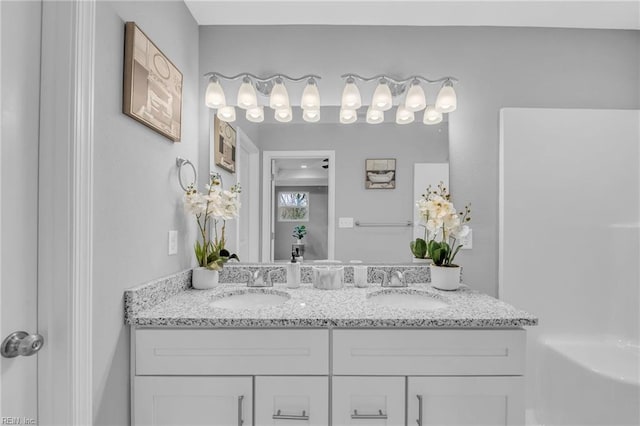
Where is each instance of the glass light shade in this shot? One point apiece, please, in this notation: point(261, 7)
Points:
point(227, 113)
point(247, 96)
point(446, 100)
point(431, 115)
point(382, 99)
point(311, 115)
point(351, 98)
point(283, 115)
point(310, 97)
point(279, 98)
point(255, 114)
point(348, 116)
point(403, 115)
point(214, 96)
point(374, 116)
point(415, 100)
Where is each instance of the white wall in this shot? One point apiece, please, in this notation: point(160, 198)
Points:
point(497, 67)
point(353, 144)
point(136, 193)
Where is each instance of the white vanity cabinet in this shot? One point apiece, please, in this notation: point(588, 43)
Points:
point(338, 377)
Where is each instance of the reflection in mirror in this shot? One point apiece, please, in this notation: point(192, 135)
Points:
point(318, 176)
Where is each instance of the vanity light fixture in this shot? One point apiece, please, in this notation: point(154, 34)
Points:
point(272, 86)
point(348, 116)
point(351, 98)
point(389, 88)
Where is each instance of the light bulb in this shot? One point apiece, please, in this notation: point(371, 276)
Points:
point(351, 98)
point(403, 115)
point(382, 99)
point(283, 115)
point(255, 114)
point(431, 115)
point(247, 95)
point(348, 116)
point(446, 100)
point(214, 96)
point(279, 96)
point(311, 96)
point(311, 115)
point(374, 116)
point(227, 113)
point(415, 100)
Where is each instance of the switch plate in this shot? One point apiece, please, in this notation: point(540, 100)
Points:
point(173, 243)
point(345, 222)
point(467, 240)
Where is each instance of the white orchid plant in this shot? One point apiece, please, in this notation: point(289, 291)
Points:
point(442, 221)
point(214, 207)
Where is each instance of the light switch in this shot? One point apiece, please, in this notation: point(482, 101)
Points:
point(345, 222)
point(173, 242)
point(467, 240)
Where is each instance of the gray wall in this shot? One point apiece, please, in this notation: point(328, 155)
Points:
point(316, 239)
point(137, 199)
point(497, 67)
point(353, 144)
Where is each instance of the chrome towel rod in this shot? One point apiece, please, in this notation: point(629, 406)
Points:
point(385, 225)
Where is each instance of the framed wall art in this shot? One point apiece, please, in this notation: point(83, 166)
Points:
point(152, 85)
point(380, 173)
point(224, 145)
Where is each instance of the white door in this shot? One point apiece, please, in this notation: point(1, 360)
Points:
point(466, 401)
point(368, 401)
point(292, 401)
point(19, 97)
point(192, 401)
point(248, 173)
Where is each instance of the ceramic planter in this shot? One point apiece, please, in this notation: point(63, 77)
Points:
point(445, 277)
point(204, 279)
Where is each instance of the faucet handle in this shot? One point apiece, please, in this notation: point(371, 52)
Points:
point(397, 279)
point(385, 276)
point(269, 281)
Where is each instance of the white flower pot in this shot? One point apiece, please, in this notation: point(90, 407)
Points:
point(444, 277)
point(204, 279)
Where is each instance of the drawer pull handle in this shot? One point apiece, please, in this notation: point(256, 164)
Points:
point(240, 419)
point(279, 416)
point(419, 421)
point(379, 416)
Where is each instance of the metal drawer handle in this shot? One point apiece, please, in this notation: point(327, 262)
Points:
point(419, 421)
point(379, 416)
point(240, 420)
point(279, 416)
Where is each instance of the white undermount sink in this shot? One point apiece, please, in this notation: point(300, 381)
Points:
point(250, 300)
point(414, 300)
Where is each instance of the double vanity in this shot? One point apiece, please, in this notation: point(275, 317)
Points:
point(406, 355)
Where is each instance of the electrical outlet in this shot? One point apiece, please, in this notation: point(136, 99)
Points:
point(173, 242)
point(345, 222)
point(467, 240)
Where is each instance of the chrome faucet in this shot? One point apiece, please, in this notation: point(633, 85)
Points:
point(397, 280)
point(385, 276)
point(256, 278)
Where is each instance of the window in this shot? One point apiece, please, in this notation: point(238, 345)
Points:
point(293, 207)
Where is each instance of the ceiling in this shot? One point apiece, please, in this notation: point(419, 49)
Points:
point(605, 14)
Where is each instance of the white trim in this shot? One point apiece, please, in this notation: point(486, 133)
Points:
point(267, 156)
point(66, 212)
point(252, 187)
point(1, 411)
point(501, 204)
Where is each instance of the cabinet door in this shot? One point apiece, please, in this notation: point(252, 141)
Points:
point(370, 401)
point(192, 401)
point(292, 401)
point(449, 401)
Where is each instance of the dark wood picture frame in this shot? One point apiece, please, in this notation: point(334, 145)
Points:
point(380, 173)
point(224, 145)
point(152, 84)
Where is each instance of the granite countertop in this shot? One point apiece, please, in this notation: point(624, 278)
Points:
point(310, 307)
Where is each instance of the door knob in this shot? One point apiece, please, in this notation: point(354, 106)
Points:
point(21, 343)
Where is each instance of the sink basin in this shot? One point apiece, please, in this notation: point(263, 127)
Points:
point(416, 300)
point(250, 300)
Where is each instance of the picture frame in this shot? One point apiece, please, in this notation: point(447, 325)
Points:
point(152, 85)
point(224, 145)
point(380, 173)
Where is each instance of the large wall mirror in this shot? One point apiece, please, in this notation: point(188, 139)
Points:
point(350, 189)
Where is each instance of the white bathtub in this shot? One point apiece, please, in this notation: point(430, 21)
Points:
point(588, 381)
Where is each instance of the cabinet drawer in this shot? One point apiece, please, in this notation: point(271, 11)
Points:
point(292, 401)
point(429, 352)
point(231, 352)
point(368, 401)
